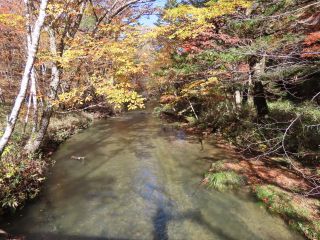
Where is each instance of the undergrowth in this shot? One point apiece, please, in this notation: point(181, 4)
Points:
point(21, 175)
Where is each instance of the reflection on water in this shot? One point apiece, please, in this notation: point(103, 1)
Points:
point(139, 180)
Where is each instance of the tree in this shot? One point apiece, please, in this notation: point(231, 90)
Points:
point(104, 14)
point(26, 75)
point(70, 29)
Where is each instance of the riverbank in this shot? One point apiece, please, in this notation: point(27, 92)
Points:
point(272, 180)
point(21, 176)
point(278, 188)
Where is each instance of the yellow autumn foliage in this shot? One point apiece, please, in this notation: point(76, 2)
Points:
point(113, 64)
point(12, 20)
point(187, 21)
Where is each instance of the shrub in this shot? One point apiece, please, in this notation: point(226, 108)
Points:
point(20, 175)
point(259, 136)
point(162, 108)
point(303, 139)
point(20, 178)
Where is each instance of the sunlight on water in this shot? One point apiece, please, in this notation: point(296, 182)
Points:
point(139, 180)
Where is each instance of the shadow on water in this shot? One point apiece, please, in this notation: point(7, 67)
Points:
point(167, 211)
point(162, 218)
point(160, 222)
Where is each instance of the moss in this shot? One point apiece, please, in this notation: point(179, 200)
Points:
point(225, 180)
point(299, 214)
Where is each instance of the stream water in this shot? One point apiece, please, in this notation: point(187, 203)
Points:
point(140, 179)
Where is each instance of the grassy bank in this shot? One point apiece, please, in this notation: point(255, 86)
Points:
point(281, 193)
point(21, 176)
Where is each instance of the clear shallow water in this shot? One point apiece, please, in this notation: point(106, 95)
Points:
point(139, 180)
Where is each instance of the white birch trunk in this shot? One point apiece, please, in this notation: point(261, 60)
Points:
point(32, 101)
point(35, 142)
point(250, 86)
point(237, 95)
point(33, 91)
point(2, 99)
point(32, 75)
point(27, 114)
point(26, 76)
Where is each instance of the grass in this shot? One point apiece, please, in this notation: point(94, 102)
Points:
point(218, 165)
point(225, 180)
point(299, 212)
point(285, 110)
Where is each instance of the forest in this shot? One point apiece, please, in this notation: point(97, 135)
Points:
point(243, 74)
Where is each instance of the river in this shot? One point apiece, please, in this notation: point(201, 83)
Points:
point(139, 179)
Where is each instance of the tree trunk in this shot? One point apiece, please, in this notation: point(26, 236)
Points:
point(33, 88)
point(32, 101)
point(237, 96)
point(247, 92)
point(29, 44)
point(33, 91)
point(35, 141)
point(26, 76)
point(254, 85)
point(27, 114)
point(2, 99)
point(259, 97)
